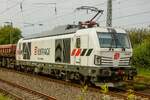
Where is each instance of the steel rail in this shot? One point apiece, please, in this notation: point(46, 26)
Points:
point(141, 94)
point(41, 95)
point(146, 95)
point(7, 93)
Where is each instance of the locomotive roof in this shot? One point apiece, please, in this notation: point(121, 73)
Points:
point(60, 30)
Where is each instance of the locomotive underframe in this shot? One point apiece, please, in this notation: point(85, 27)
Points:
point(71, 72)
point(83, 73)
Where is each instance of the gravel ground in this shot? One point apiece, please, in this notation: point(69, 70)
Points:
point(59, 91)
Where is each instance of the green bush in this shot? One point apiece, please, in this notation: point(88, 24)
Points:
point(141, 54)
point(140, 40)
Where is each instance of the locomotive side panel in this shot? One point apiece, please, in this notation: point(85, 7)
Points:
point(43, 49)
point(35, 50)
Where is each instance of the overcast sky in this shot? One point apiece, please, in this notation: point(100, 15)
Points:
point(126, 13)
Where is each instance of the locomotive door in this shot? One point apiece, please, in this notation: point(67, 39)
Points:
point(77, 50)
point(81, 45)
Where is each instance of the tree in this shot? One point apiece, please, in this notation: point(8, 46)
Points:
point(9, 34)
point(141, 54)
point(140, 39)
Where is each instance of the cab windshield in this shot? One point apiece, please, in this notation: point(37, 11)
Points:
point(113, 40)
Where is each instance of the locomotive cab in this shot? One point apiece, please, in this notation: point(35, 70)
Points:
point(114, 48)
point(107, 50)
point(115, 53)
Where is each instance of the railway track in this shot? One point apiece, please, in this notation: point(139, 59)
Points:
point(137, 94)
point(145, 81)
point(92, 89)
point(141, 93)
point(9, 94)
point(18, 92)
point(119, 93)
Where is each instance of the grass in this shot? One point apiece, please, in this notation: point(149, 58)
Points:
point(4, 97)
point(143, 72)
point(139, 87)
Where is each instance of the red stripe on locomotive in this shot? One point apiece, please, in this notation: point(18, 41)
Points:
point(78, 52)
point(73, 52)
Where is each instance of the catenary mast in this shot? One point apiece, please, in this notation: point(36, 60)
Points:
point(109, 13)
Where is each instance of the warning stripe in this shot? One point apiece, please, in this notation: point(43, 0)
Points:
point(83, 52)
point(73, 52)
point(89, 52)
point(78, 52)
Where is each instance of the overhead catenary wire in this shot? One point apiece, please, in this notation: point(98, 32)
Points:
point(94, 5)
point(66, 14)
point(105, 3)
point(116, 18)
point(20, 4)
point(30, 10)
point(59, 16)
point(131, 6)
point(139, 13)
point(9, 8)
point(135, 14)
point(56, 10)
point(136, 24)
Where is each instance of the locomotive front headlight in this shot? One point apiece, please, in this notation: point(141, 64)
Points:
point(97, 60)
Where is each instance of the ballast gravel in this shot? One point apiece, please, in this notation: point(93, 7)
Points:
point(54, 89)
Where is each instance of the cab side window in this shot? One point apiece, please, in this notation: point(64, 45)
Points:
point(78, 43)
